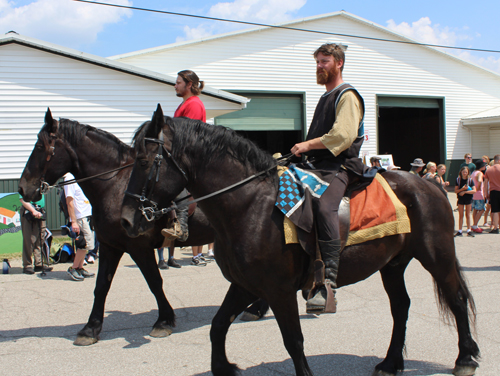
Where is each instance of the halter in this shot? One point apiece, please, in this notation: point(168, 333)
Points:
point(150, 212)
point(44, 186)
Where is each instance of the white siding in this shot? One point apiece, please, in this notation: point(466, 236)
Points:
point(281, 60)
point(480, 142)
point(32, 80)
point(494, 142)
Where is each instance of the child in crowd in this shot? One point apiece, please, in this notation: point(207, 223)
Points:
point(441, 170)
point(464, 189)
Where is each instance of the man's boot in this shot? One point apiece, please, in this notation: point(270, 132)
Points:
point(180, 229)
point(322, 298)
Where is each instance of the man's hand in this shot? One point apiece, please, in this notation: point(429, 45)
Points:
point(37, 214)
point(301, 147)
point(304, 147)
point(75, 228)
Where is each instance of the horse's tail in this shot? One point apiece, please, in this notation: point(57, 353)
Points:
point(463, 294)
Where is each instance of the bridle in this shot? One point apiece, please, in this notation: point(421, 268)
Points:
point(152, 212)
point(44, 186)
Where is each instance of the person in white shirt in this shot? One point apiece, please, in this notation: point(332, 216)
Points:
point(80, 215)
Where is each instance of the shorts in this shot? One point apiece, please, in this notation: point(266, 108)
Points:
point(464, 200)
point(478, 205)
point(88, 234)
point(495, 201)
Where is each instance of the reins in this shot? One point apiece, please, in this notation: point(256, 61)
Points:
point(45, 186)
point(151, 213)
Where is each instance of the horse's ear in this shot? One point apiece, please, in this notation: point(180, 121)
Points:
point(50, 124)
point(157, 121)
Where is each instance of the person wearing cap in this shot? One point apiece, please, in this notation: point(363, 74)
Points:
point(375, 161)
point(468, 163)
point(417, 166)
point(392, 167)
point(478, 204)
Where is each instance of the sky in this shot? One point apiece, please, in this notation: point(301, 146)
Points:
point(107, 31)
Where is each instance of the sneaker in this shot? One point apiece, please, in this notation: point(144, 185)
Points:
point(172, 263)
point(478, 230)
point(85, 274)
point(84, 262)
point(205, 259)
point(44, 268)
point(458, 234)
point(75, 274)
point(90, 259)
point(162, 265)
point(470, 234)
point(210, 254)
point(197, 261)
point(28, 270)
point(494, 231)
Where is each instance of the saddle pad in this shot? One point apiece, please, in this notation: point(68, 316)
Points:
point(376, 212)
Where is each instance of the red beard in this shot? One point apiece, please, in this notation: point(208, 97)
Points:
point(323, 76)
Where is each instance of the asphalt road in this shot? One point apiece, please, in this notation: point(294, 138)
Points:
point(40, 316)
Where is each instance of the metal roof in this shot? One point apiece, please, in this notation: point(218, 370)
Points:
point(487, 117)
point(290, 24)
point(13, 37)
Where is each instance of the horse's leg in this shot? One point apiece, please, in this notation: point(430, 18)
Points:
point(256, 311)
point(394, 284)
point(146, 262)
point(108, 262)
point(454, 296)
point(236, 300)
point(285, 309)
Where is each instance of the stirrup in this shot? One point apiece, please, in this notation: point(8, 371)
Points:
point(321, 299)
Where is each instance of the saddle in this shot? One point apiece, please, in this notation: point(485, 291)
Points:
point(369, 210)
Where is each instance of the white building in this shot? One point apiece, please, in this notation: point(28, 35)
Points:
point(420, 101)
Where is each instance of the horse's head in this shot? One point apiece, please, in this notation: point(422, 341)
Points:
point(48, 161)
point(156, 177)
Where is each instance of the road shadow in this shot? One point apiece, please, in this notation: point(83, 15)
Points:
point(134, 328)
point(341, 365)
point(481, 268)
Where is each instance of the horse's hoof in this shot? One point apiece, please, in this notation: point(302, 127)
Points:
point(161, 332)
point(464, 370)
point(247, 316)
point(84, 341)
point(379, 372)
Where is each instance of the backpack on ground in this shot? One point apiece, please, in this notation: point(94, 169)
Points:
point(64, 254)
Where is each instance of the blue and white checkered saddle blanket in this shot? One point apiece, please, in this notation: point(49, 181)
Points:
point(294, 183)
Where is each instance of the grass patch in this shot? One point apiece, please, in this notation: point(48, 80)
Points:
point(11, 245)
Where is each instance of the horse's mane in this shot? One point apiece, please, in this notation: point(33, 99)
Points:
point(212, 143)
point(74, 132)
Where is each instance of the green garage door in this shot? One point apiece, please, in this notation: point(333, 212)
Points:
point(274, 121)
point(266, 112)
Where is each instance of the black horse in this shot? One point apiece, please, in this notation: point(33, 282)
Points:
point(251, 251)
point(68, 146)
